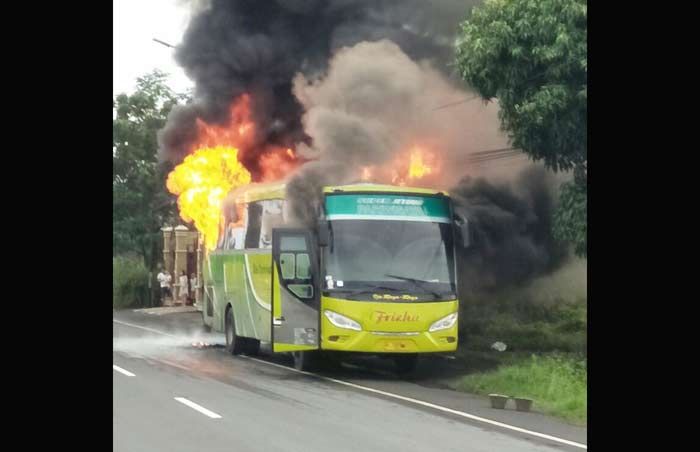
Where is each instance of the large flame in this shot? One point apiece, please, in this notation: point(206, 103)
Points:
point(227, 156)
point(239, 132)
point(266, 162)
point(416, 165)
point(224, 157)
point(201, 182)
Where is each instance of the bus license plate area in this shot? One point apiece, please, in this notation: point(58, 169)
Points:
point(396, 345)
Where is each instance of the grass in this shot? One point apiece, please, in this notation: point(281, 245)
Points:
point(546, 351)
point(129, 282)
point(556, 383)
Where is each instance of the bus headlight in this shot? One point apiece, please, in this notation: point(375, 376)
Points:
point(444, 323)
point(341, 321)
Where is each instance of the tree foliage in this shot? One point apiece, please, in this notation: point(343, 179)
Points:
point(532, 56)
point(140, 202)
point(570, 221)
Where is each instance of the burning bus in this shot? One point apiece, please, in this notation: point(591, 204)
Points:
point(370, 268)
point(375, 274)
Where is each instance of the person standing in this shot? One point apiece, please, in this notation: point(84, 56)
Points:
point(193, 287)
point(164, 281)
point(184, 292)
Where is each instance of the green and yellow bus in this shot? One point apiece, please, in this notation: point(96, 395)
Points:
point(375, 275)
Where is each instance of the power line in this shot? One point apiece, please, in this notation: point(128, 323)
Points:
point(491, 155)
point(456, 103)
point(518, 159)
point(493, 151)
point(504, 157)
point(164, 43)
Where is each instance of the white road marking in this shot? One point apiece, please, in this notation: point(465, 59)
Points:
point(406, 399)
point(199, 408)
point(123, 371)
point(428, 404)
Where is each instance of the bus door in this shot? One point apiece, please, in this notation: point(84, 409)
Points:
point(295, 294)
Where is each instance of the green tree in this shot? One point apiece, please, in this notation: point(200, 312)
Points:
point(140, 201)
point(531, 55)
point(570, 217)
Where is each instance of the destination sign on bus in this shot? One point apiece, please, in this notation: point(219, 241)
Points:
point(387, 207)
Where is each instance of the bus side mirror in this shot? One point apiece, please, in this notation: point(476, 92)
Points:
point(323, 233)
point(464, 231)
point(466, 237)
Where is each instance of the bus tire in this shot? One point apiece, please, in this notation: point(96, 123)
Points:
point(305, 360)
point(405, 364)
point(234, 343)
point(252, 347)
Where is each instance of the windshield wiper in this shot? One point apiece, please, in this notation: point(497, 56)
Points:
point(420, 283)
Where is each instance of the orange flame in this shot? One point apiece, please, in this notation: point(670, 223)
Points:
point(224, 157)
point(275, 164)
point(417, 168)
point(201, 182)
point(266, 162)
point(415, 165)
point(238, 133)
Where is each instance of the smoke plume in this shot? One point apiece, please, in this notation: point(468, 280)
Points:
point(356, 83)
point(374, 105)
point(233, 47)
point(511, 230)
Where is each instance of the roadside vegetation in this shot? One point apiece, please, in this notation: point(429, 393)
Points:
point(531, 56)
point(141, 204)
point(545, 357)
point(557, 383)
point(129, 283)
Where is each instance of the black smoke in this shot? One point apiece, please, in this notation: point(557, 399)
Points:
point(511, 225)
point(233, 47)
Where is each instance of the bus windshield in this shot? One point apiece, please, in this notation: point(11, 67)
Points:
point(390, 260)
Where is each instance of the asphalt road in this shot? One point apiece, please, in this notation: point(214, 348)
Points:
point(171, 395)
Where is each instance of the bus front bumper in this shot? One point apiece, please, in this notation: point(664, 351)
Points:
point(390, 342)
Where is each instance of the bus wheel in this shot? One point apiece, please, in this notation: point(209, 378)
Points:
point(405, 363)
point(252, 347)
point(305, 360)
point(234, 344)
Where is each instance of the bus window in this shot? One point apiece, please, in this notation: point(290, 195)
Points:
point(303, 266)
point(272, 217)
point(295, 265)
point(252, 238)
point(287, 265)
point(235, 231)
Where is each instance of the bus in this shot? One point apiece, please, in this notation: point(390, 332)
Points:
point(375, 274)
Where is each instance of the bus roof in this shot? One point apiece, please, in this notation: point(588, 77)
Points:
point(276, 190)
point(258, 192)
point(355, 188)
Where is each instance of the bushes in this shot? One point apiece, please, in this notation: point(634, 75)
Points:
point(129, 282)
point(524, 326)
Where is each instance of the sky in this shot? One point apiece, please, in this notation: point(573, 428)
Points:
point(136, 23)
